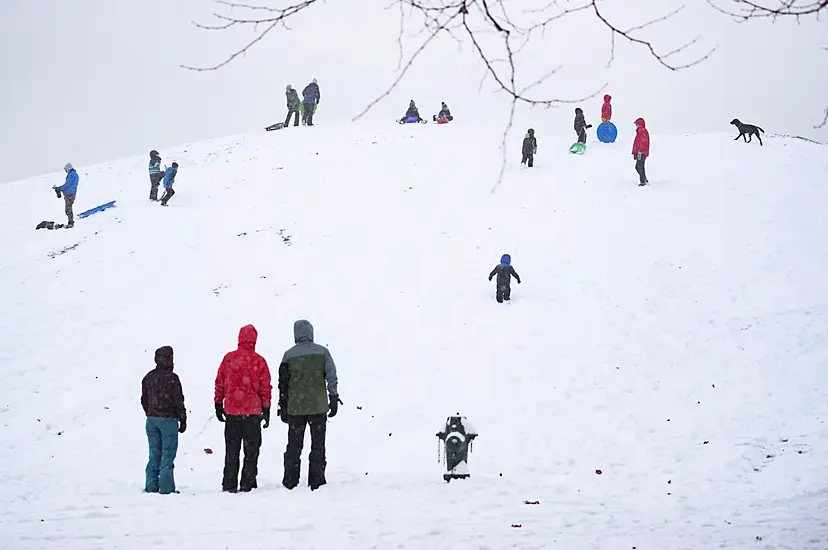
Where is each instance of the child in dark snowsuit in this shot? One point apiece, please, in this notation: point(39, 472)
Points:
point(412, 112)
point(169, 179)
point(530, 147)
point(580, 125)
point(444, 113)
point(504, 272)
point(155, 174)
point(293, 102)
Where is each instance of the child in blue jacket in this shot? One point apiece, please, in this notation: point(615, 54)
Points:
point(169, 179)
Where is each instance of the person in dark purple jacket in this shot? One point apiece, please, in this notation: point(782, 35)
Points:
point(163, 402)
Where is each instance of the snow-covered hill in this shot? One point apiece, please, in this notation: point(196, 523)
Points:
point(674, 337)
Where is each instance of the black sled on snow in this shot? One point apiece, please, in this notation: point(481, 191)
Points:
point(277, 126)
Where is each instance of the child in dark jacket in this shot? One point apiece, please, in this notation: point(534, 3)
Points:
point(504, 272)
point(580, 125)
point(163, 403)
point(530, 147)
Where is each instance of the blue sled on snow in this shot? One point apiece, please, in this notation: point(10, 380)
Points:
point(411, 120)
point(99, 208)
point(607, 132)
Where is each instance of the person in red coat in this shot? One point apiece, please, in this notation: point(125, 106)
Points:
point(641, 149)
point(242, 400)
point(606, 109)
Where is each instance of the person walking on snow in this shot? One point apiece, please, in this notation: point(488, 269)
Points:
point(641, 150)
point(504, 272)
point(155, 174)
point(69, 189)
point(242, 401)
point(310, 99)
point(530, 147)
point(169, 180)
point(163, 401)
point(293, 103)
point(308, 395)
point(580, 125)
point(606, 109)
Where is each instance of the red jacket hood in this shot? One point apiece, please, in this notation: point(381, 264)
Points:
point(639, 122)
point(248, 337)
point(607, 98)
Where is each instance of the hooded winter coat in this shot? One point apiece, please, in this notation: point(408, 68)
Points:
point(580, 123)
point(243, 379)
point(311, 94)
point(161, 393)
point(530, 144)
point(292, 97)
point(504, 271)
point(70, 186)
point(169, 176)
point(412, 111)
point(444, 111)
point(154, 165)
point(641, 144)
point(307, 375)
point(606, 109)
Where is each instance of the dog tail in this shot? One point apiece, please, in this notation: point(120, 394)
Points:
point(761, 130)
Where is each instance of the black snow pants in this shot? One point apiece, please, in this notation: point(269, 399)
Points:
point(528, 159)
point(640, 158)
point(168, 194)
point(241, 431)
point(582, 135)
point(155, 181)
point(293, 453)
point(68, 201)
point(294, 112)
point(504, 292)
point(307, 113)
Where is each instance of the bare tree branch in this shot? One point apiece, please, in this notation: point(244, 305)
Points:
point(744, 10)
point(497, 30)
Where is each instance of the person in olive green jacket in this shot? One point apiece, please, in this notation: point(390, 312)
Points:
point(308, 395)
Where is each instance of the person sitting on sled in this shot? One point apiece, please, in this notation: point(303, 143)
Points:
point(504, 272)
point(412, 114)
point(444, 113)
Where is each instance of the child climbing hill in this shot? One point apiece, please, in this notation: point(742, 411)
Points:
point(580, 125)
point(504, 272)
point(606, 109)
point(529, 148)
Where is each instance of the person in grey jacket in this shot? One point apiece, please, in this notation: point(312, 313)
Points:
point(293, 102)
point(308, 395)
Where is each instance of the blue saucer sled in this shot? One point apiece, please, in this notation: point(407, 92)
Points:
point(607, 132)
point(99, 208)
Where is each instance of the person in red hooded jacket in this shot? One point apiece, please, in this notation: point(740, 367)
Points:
point(606, 109)
point(641, 149)
point(242, 399)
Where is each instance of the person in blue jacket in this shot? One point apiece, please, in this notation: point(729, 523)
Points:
point(69, 189)
point(310, 99)
point(169, 179)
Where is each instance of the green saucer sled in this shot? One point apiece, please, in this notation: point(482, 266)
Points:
point(577, 148)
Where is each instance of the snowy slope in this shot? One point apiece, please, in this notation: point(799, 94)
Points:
point(674, 337)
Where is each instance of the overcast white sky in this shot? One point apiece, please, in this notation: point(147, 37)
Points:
point(88, 81)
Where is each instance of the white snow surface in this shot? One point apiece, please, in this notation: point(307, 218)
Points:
point(674, 337)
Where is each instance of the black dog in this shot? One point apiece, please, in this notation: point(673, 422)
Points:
point(747, 131)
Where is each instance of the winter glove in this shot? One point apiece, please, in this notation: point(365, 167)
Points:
point(182, 426)
point(266, 416)
point(57, 191)
point(589, 126)
point(334, 405)
point(220, 412)
point(283, 416)
point(534, 150)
